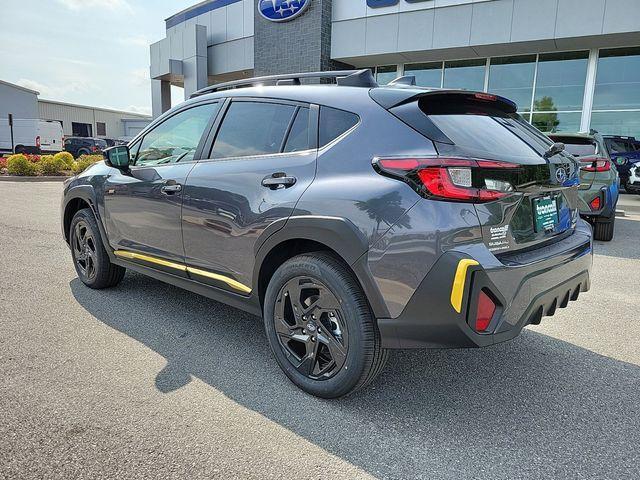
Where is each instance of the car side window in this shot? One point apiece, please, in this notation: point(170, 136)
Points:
point(333, 123)
point(298, 139)
point(177, 138)
point(252, 128)
point(133, 151)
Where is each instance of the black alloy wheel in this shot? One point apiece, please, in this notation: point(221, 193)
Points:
point(320, 327)
point(85, 250)
point(90, 259)
point(310, 328)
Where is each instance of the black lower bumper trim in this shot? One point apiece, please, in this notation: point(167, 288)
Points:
point(428, 321)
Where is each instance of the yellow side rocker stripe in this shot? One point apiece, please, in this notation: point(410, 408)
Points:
point(457, 290)
point(183, 268)
point(147, 258)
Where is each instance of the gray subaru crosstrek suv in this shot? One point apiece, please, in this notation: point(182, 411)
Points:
point(353, 218)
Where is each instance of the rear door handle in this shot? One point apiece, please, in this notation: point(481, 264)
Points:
point(278, 180)
point(171, 188)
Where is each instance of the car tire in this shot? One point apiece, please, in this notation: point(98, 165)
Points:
point(90, 259)
point(320, 327)
point(603, 229)
point(82, 152)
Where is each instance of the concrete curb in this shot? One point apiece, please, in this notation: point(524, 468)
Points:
point(43, 178)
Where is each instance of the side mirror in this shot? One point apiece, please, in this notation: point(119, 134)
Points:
point(117, 157)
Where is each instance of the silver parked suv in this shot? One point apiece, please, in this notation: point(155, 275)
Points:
point(353, 218)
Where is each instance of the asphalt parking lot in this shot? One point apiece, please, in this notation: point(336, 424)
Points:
point(146, 380)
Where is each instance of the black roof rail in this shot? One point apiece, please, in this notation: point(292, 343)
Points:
point(347, 78)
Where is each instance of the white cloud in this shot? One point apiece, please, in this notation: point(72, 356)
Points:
point(55, 92)
point(135, 41)
point(139, 109)
point(90, 4)
point(141, 77)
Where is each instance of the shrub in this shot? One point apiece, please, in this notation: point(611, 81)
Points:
point(66, 157)
point(3, 162)
point(50, 165)
point(20, 165)
point(33, 158)
point(85, 161)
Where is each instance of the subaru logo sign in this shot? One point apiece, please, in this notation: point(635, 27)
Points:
point(282, 10)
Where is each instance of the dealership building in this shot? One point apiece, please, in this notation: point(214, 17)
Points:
point(570, 65)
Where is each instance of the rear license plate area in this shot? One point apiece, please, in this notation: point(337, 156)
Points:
point(545, 213)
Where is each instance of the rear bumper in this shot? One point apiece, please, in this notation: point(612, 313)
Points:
point(527, 287)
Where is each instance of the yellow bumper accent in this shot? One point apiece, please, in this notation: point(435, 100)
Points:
point(183, 268)
point(457, 290)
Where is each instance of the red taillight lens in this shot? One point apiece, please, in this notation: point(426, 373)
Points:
point(486, 310)
point(596, 165)
point(38, 141)
point(94, 149)
point(448, 178)
point(595, 204)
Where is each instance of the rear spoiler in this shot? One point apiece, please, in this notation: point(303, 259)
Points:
point(404, 103)
point(394, 97)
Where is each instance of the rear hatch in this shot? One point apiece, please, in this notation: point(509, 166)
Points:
point(527, 192)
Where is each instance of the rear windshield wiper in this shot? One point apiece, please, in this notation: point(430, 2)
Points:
point(554, 149)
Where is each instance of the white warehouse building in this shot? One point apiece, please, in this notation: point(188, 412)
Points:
point(76, 120)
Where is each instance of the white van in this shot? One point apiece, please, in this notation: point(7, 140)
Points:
point(31, 136)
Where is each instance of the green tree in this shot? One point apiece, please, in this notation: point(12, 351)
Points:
point(547, 121)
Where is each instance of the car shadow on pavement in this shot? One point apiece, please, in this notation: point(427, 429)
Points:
point(534, 407)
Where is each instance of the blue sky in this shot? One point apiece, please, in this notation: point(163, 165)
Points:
point(92, 52)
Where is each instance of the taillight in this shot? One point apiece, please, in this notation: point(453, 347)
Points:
point(595, 204)
point(38, 141)
point(596, 165)
point(455, 179)
point(94, 148)
point(486, 310)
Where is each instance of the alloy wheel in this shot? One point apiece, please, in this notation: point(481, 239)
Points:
point(310, 327)
point(84, 250)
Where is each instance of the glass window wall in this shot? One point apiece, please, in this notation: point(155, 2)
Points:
point(616, 102)
point(554, 84)
point(386, 74)
point(466, 74)
point(512, 77)
point(427, 74)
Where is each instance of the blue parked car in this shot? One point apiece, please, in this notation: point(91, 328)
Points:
point(625, 153)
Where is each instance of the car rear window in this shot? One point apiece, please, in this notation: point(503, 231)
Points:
point(334, 122)
point(578, 147)
point(298, 138)
point(619, 145)
point(101, 143)
point(480, 128)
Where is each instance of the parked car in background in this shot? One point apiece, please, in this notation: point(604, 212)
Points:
point(599, 181)
point(77, 146)
point(31, 136)
point(112, 142)
point(353, 218)
point(625, 154)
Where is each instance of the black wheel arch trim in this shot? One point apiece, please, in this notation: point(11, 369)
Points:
point(87, 194)
point(338, 234)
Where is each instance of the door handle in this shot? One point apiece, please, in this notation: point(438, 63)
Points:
point(171, 188)
point(278, 180)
